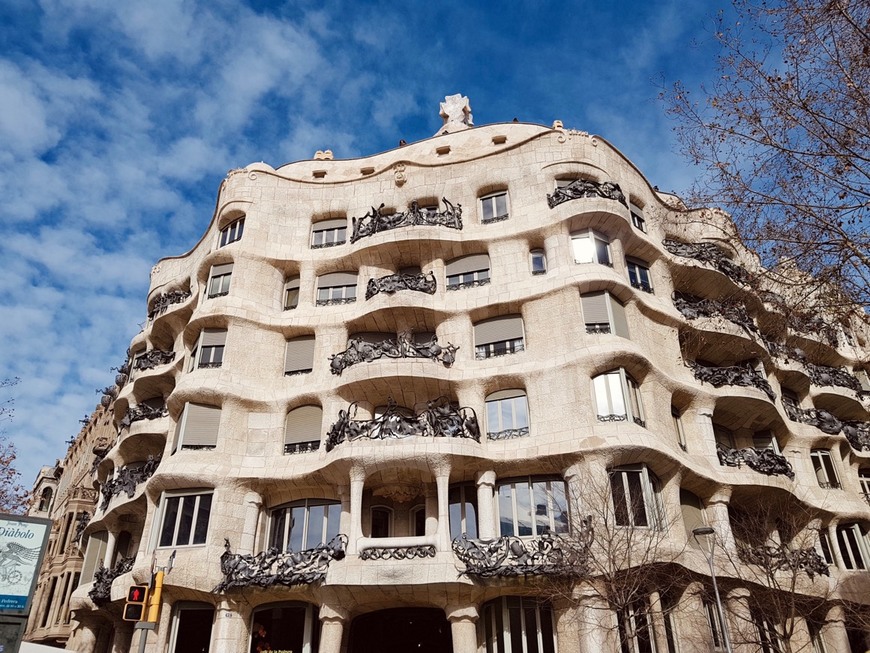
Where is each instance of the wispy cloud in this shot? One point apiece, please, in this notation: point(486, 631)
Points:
point(120, 120)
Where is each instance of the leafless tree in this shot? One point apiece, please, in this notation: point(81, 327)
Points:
point(782, 137)
point(13, 496)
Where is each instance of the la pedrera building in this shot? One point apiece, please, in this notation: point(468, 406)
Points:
point(487, 392)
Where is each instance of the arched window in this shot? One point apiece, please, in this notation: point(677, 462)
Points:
point(286, 627)
point(303, 525)
point(507, 415)
point(45, 500)
point(232, 232)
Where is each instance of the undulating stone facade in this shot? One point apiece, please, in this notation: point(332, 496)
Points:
point(442, 397)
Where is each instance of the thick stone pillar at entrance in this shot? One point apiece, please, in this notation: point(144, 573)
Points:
point(463, 628)
point(332, 628)
point(834, 632)
point(231, 625)
point(84, 638)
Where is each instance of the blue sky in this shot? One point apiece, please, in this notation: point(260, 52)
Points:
point(120, 119)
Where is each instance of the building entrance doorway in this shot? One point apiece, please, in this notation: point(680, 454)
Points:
point(423, 630)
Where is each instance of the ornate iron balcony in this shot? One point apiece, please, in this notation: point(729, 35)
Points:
point(764, 461)
point(508, 434)
point(708, 253)
point(272, 567)
point(219, 294)
point(642, 285)
point(496, 218)
point(373, 222)
point(334, 243)
point(597, 328)
point(693, 307)
point(143, 411)
point(613, 418)
point(822, 375)
point(857, 433)
point(165, 300)
point(362, 351)
point(153, 358)
point(581, 188)
point(738, 375)
point(774, 558)
point(496, 349)
point(508, 556)
point(101, 592)
point(127, 480)
point(301, 447)
point(393, 283)
point(397, 552)
point(337, 301)
point(209, 366)
point(468, 284)
point(440, 419)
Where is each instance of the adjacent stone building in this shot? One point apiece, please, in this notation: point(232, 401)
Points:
point(65, 494)
point(442, 397)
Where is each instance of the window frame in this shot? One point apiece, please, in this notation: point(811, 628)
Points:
point(825, 548)
point(467, 278)
point(864, 482)
point(517, 401)
point(182, 426)
point(538, 261)
point(532, 485)
point(222, 280)
point(162, 514)
point(282, 520)
point(388, 512)
point(638, 220)
point(626, 512)
point(498, 627)
point(484, 202)
point(715, 625)
point(289, 300)
point(232, 232)
point(496, 348)
point(634, 620)
point(465, 495)
point(595, 239)
point(677, 417)
point(639, 275)
point(630, 394)
point(329, 234)
point(617, 320)
point(340, 293)
point(823, 465)
point(856, 558)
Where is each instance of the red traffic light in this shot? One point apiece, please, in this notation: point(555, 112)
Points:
point(137, 594)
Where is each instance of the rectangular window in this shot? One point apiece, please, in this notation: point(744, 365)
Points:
point(507, 414)
point(467, 272)
point(603, 313)
point(637, 218)
point(219, 280)
point(816, 636)
point(291, 294)
point(617, 398)
point(636, 501)
point(299, 355)
point(678, 428)
point(494, 208)
point(498, 336)
point(638, 275)
point(94, 555)
point(198, 427)
point(768, 636)
point(589, 247)
point(336, 288)
point(853, 546)
point(530, 507)
point(184, 519)
point(715, 624)
point(825, 546)
point(328, 233)
point(823, 465)
point(462, 502)
point(211, 348)
point(232, 232)
point(538, 260)
point(635, 629)
point(304, 525)
point(762, 440)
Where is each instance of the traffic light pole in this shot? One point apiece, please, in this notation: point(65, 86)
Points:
point(154, 599)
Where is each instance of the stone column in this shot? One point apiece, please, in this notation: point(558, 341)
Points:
point(333, 620)
point(486, 505)
point(692, 622)
point(741, 626)
point(231, 630)
point(111, 541)
point(463, 628)
point(597, 631)
point(357, 484)
point(83, 638)
point(835, 546)
point(442, 483)
point(834, 632)
point(253, 503)
point(657, 619)
point(717, 514)
point(431, 495)
point(568, 626)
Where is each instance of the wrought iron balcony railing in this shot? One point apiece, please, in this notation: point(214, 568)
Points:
point(763, 461)
point(301, 447)
point(360, 350)
point(127, 480)
point(374, 222)
point(774, 558)
point(582, 188)
point(101, 592)
point(738, 375)
point(165, 300)
point(393, 283)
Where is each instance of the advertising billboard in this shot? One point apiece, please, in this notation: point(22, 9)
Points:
point(22, 546)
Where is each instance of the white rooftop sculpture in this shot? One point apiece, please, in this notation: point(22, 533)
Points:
point(456, 112)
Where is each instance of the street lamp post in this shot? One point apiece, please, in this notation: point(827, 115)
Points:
point(707, 530)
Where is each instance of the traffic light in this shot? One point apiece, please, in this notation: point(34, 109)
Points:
point(137, 597)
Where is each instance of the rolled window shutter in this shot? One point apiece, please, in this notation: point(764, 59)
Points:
point(506, 394)
point(595, 308)
point(693, 513)
point(96, 550)
point(620, 323)
point(336, 279)
point(201, 426)
point(213, 338)
point(303, 425)
point(498, 329)
point(217, 270)
point(466, 264)
point(323, 225)
point(299, 354)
